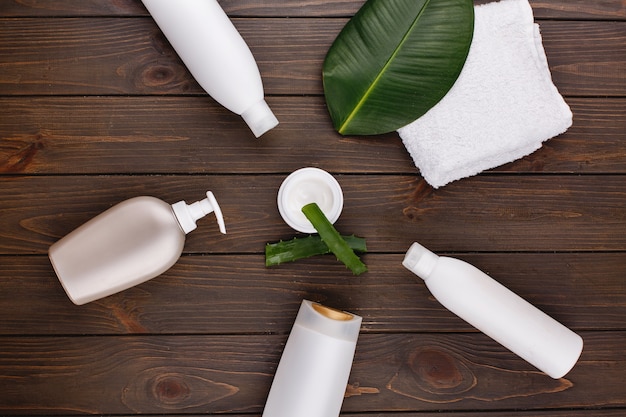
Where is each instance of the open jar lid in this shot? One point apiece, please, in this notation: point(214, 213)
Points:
point(305, 186)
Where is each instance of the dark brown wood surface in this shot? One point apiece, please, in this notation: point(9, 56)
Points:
point(96, 108)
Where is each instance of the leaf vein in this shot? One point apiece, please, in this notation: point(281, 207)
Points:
point(383, 70)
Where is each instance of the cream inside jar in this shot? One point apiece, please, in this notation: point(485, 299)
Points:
point(305, 186)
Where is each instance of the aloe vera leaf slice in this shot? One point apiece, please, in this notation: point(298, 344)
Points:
point(305, 247)
point(333, 239)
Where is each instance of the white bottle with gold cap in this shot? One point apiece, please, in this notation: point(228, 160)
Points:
point(313, 372)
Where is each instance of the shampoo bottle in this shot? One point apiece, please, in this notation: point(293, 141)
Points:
point(216, 55)
point(496, 311)
point(312, 374)
point(132, 242)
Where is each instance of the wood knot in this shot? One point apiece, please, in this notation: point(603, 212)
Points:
point(18, 153)
point(356, 389)
point(414, 213)
point(158, 75)
point(421, 193)
point(437, 368)
point(155, 389)
point(432, 374)
point(171, 390)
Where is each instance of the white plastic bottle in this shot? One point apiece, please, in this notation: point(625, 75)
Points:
point(312, 375)
point(132, 242)
point(496, 311)
point(216, 55)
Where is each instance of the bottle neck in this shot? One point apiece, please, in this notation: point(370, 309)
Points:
point(259, 118)
point(420, 260)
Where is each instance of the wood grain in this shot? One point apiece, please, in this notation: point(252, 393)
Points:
point(131, 56)
point(490, 213)
point(98, 108)
point(553, 9)
point(98, 135)
point(235, 294)
point(216, 374)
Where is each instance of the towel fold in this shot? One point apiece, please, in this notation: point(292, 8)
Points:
point(502, 107)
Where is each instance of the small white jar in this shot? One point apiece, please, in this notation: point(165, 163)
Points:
point(305, 186)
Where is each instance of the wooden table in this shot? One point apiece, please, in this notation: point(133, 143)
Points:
point(97, 108)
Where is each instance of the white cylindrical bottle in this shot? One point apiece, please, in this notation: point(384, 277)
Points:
point(312, 375)
point(132, 242)
point(216, 55)
point(496, 311)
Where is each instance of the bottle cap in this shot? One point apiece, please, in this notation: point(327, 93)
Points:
point(329, 321)
point(188, 214)
point(305, 186)
point(419, 260)
point(259, 118)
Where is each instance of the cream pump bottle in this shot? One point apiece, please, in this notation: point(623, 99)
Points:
point(313, 372)
point(496, 311)
point(132, 242)
point(216, 55)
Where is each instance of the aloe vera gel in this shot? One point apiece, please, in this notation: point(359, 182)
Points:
point(132, 242)
point(496, 311)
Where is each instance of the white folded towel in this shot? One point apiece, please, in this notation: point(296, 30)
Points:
point(502, 106)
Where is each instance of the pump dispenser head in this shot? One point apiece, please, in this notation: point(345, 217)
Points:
point(187, 215)
point(259, 118)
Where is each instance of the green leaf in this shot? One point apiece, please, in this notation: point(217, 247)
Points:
point(393, 61)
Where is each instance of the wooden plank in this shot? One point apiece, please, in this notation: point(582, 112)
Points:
point(591, 65)
point(215, 374)
point(88, 135)
point(579, 9)
point(484, 213)
point(230, 294)
point(179, 134)
point(551, 413)
point(553, 9)
point(73, 8)
point(131, 56)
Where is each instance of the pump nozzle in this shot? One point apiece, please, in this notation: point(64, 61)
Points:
point(187, 215)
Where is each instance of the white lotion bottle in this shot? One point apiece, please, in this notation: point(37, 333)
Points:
point(313, 372)
point(496, 311)
point(130, 243)
point(216, 55)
